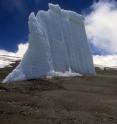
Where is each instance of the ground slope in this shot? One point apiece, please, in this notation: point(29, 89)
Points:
point(75, 100)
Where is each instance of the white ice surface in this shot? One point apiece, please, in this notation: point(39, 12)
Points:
point(61, 74)
point(57, 43)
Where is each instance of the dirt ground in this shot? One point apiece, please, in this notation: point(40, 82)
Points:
point(73, 100)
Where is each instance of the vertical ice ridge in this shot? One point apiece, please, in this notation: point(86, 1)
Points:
point(57, 43)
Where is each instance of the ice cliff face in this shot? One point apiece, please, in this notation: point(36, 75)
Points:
point(57, 43)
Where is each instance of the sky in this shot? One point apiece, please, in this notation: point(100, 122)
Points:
point(14, 18)
point(100, 18)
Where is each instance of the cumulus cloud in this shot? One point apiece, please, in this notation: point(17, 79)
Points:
point(106, 61)
point(101, 26)
point(19, 53)
point(21, 49)
point(7, 57)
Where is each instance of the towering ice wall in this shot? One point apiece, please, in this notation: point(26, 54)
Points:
point(57, 43)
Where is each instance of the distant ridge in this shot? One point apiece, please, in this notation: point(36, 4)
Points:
point(6, 60)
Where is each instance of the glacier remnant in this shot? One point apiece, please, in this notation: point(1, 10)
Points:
point(57, 43)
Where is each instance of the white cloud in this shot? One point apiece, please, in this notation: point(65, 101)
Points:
point(106, 61)
point(101, 26)
point(19, 53)
point(21, 49)
point(7, 57)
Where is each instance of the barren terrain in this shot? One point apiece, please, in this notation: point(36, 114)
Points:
point(73, 100)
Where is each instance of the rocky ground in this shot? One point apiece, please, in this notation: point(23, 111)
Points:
point(73, 100)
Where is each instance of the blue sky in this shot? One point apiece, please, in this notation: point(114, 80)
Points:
point(14, 16)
